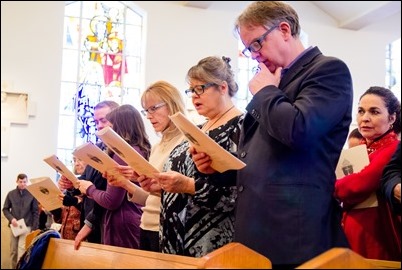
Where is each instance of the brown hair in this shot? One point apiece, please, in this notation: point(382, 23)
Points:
point(106, 103)
point(127, 122)
point(21, 176)
point(214, 69)
point(268, 14)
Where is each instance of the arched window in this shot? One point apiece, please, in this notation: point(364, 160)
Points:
point(102, 60)
point(393, 67)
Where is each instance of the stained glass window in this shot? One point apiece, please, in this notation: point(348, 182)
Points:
point(102, 60)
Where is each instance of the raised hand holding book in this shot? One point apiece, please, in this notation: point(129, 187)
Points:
point(126, 152)
point(46, 192)
point(95, 157)
point(222, 160)
point(59, 166)
point(353, 160)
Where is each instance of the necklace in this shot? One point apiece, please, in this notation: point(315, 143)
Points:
point(219, 118)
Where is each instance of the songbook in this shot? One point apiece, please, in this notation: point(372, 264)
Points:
point(126, 152)
point(95, 157)
point(353, 160)
point(59, 166)
point(20, 229)
point(222, 160)
point(45, 192)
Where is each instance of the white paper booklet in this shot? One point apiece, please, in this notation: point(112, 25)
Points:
point(59, 166)
point(222, 160)
point(353, 160)
point(46, 192)
point(20, 229)
point(95, 157)
point(126, 152)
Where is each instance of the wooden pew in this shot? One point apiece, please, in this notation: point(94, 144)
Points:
point(30, 236)
point(344, 258)
point(60, 254)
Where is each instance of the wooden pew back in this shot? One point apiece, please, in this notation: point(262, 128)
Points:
point(60, 254)
point(344, 258)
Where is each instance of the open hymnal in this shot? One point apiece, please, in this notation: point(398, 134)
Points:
point(20, 229)
point(222, 160)
point(59, 166)
point(45, 192)
point(126, 152)
point(353, 160)
point(95, 157)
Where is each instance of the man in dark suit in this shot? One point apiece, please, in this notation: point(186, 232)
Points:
point(293, 133)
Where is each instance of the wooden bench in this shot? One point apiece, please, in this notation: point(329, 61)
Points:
point(60, 254)
point(30, 236)
point(344, 258)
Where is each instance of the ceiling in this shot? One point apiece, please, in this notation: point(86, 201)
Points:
point(353, 15)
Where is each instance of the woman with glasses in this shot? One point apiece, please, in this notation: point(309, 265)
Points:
point(159, 100)
point(198, 209)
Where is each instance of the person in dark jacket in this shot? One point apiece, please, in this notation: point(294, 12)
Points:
point(292, 135)
point(391, 181)
point(20, 204)
point(91, 211)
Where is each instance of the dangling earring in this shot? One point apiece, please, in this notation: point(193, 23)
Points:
point(391, 127)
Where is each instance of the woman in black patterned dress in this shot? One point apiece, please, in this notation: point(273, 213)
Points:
point(197, 214)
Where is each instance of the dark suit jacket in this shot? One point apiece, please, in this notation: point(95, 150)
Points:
point(291, 141)
point(390, 178)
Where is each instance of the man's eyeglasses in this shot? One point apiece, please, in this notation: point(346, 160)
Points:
point(256, 45)
point(198, 89)
point(153, 109)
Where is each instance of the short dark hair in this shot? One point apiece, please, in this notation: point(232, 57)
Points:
point(355, 134)
point(392, 104)
point(21, 176)
point(107, 103)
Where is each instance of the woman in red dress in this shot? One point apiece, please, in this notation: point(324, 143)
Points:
point(373, 230)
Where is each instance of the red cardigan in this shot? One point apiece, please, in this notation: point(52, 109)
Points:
point(373, 232)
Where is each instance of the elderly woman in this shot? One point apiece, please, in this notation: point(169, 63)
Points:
point(372, 230)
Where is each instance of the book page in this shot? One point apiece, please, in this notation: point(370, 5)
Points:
point(126, 152)
point(59, 166)
point(46, 192)
point(95, 157)
point(222, 160)
point(20, 229)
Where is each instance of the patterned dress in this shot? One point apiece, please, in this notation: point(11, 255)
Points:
point(194, 225)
